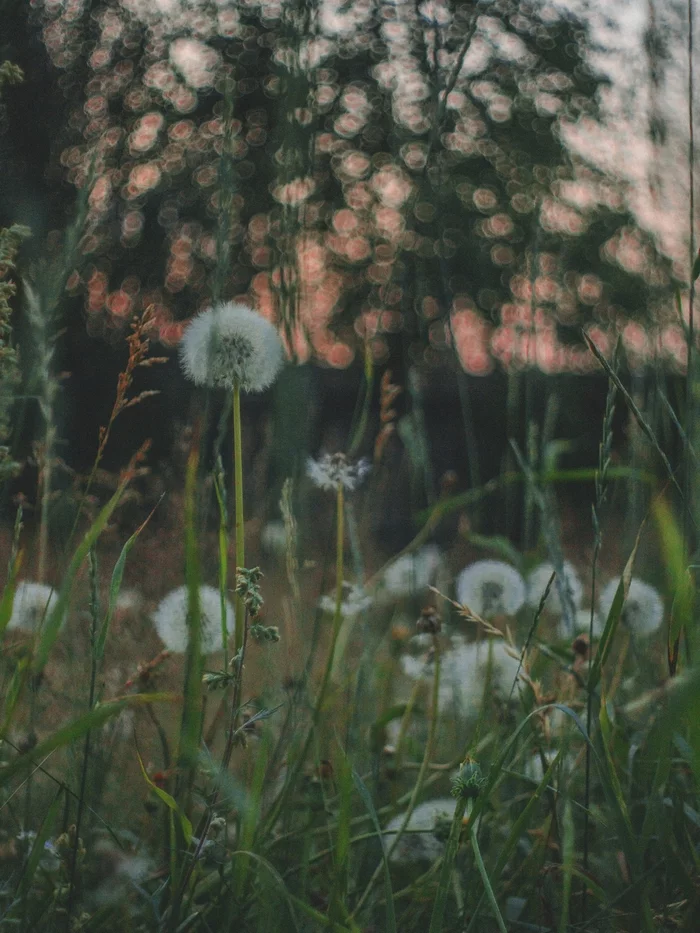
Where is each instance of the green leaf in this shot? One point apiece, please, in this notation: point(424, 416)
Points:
point(369, 805)
point(169, 802)
point(77, 728)
point(115, 586)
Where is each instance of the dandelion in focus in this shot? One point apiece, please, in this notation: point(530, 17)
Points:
point(33, 602)
point(170, 619)
point(643, 610)
point(491, 588)
point(229, 344)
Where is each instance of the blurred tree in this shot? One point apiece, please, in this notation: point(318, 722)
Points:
point(383, 165)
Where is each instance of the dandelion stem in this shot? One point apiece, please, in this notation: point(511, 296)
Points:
point(238, 484)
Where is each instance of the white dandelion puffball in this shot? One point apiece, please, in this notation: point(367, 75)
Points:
point(464, 669)
point(354, 602)
point(643, 610)
point(334, 470)
point(33, 604)
point(170, 619)
point(412, 572)
point(231, 342)
point(430, 822)
point(491, 588)
point(273, 539)
point(582, 623)
point(538, 579)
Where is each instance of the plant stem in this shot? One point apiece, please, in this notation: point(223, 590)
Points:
point(240, 532)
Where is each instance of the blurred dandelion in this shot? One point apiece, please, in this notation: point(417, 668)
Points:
point(33, 602)
point(413, 572)
point(273, 539)
point(355, 601)
point(231, 343)
point(582, 623)
point(170, 619)
point(537, 581)
point(334, 470)
point(426, 832)
point(643, 610)
point(491, 588)
point(465, 669)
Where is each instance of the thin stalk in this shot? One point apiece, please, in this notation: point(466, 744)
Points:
point(451, 850)
point(94, 628)
point(420, 780)
point(320, 700)
point(240, 531)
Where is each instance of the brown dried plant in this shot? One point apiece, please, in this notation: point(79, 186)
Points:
point(389, 392)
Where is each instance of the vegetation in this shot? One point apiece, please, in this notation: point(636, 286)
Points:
point(286, 680)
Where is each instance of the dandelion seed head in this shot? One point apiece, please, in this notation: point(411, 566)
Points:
point(643, 610)
point(231, 342)
point(491, 588)
point(416, 844)
point(537, 581)
point(582, 623)
point(334, 470)
point(170, 619)
point(274, 539)
point(464, 670)
point(354, 602)
point(413, 572)
point(33, 602)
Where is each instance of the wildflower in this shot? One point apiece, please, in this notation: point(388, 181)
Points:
point(170, 619)
point(229, 343)
point(425, 834)
point(273, 539)
point(582, 623)
point(464, 670)
point(643, 610)
point(355, 602)
point(32, 604)
point(412, 572)
point(491, 588)
point(334, 470)
point(538, 579)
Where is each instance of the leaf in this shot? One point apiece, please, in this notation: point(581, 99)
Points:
point(77, 728)
point(54, 619)
point(169, 802)
point(606, 639)
point(115, 586)
point(369, 805)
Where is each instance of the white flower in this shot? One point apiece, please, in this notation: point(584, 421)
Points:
point(426, 845)
point(412, 572)
point(170, 619)
point(490, 588)
point(538, 579)
point(33, 604)
point(582, 623)
point(231, 342)
point(464, 669)
point(355, 602)
point(273, 538)
point(643, 610)
point(334, 470)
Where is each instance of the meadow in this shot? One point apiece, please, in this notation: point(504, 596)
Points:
point(361, 596)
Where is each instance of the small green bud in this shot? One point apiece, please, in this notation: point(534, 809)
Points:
point(469, 781)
